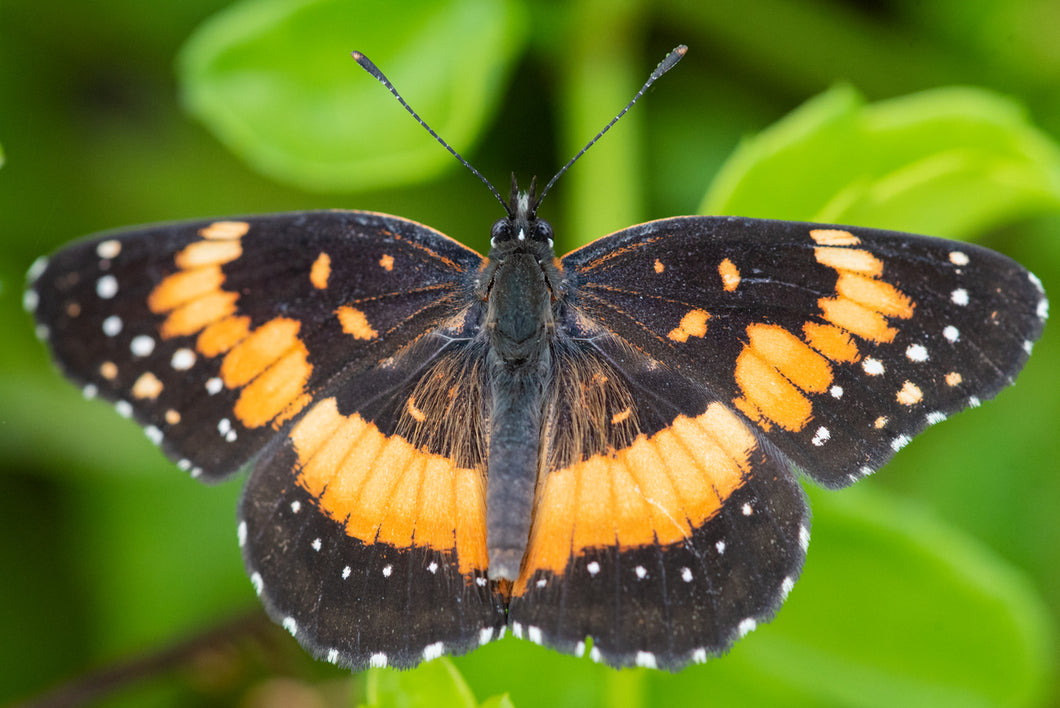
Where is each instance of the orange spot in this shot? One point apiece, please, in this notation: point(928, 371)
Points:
point(224, 230)
point(834, 237)
point(397, 527)
point(730, 275)
point(910, 394)
point(321, 271)
point(73, 309)
point(416, 414)
point(851, 259)
point(204, 253)
point(857, 319)
point(875, 295)
point(794, 359)
point(595, 522)
point(278, 393)
point(387, 262)
point(222, 335)
point(183, 287)
point(374, 484)
point(355, 323)
point(833, 342)
point(621, 416)
point(659, 267)
point(693, 324)
point(434, 512)
point(880, 422)
point(953, 379)
point(654, 491)
point(265, 345)
point(108, 370)
point(196, 315)
point(172, 416)
point(147, 386)
point(771, 370)
point(767, 394)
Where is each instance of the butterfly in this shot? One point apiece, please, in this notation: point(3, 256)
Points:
point(597, 452)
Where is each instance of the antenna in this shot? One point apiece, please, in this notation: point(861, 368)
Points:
point(668, 62)
point(372, 69)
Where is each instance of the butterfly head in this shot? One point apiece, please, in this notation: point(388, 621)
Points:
point(521, 227)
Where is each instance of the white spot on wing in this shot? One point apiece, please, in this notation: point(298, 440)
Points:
point(387, 570)
point(958, 258)
point(317, 544)
point(720, 546)
point(485, 635)
point(821, 436)
point(593, 568)
point(30, 300)
point(90, 391)
point(142, 345)
point(836, 391)
point(579, 649)
point(951, 333)
point(183, 359)
point(241, 533)
point(214, 385)
point(746, 509)
point(899, 442)
point(107, 287)
point(333, 656)
point(534, 634)
point(872, 367)
point(959, 297)
point(296, 506)
point(935, 417)
point(433, 651)
point(916, 352)
point(699, 656)
point(108, 249)
point(786, 586)
point(290, 625)
point(433, 567)
point(153, 434)
point(124, 409)
point(257, 582)
point(112, 326)
point(686, 574)
point(804, 537)
point(641, 572)
point(377, 661)
point(746, 627)
point(37, 268)
point(346, 572)
point(646, 659)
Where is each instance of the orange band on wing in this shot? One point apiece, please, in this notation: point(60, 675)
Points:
point(382, 489)
point(656, 490)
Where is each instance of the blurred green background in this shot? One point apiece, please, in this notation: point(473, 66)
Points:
point(936, 582)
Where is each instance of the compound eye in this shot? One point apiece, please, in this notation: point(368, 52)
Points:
point(501, 231)
point(543, 231)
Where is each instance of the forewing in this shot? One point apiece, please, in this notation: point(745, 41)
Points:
point(214, 335)
point(839, 344)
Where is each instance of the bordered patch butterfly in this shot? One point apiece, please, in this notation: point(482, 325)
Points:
point(601, 446)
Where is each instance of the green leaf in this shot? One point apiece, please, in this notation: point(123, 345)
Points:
point(435, 683)
point(501, 701)
point(274, 81)
point(951, 162)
